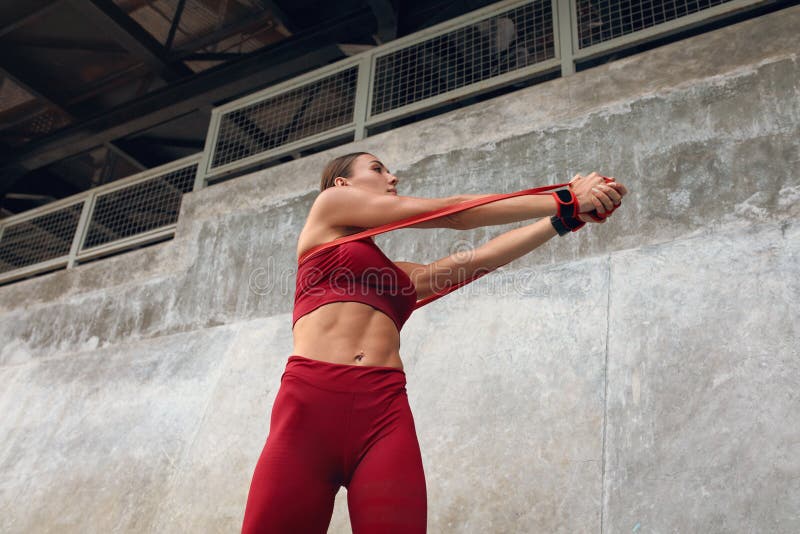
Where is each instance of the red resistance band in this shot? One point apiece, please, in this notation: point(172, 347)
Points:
point(422, 217)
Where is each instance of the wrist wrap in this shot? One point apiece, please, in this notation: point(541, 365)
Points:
point(566, 203)
point(565, 225)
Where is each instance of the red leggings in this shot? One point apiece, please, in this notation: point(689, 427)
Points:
point(338, 425)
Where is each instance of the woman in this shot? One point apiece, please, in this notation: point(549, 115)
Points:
point(341, 416)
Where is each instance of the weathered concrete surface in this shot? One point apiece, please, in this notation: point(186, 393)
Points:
point(91, 439)
point(704, 390)
point(643, 372)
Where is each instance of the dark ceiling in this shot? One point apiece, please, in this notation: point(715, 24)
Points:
point(95, 90)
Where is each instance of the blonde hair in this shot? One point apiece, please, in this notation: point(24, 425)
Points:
point(341, 166)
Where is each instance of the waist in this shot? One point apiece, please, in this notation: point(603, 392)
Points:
point(343, 377)
point(348, 333)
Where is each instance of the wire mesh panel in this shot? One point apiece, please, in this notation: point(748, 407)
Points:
point(140, 207)
point(43, 123)
point(507, 41)
point(602, 20)
point(287, 117)
point(39, 239)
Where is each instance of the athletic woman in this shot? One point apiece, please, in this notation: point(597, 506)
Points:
point(341, 415)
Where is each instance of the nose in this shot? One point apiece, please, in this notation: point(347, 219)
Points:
point(392, 179)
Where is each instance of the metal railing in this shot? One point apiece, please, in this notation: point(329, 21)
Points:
point(136, 210)
point(499, 45)
point(311, 108)
point(602, 27)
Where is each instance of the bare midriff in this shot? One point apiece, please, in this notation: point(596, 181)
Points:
point(350, 333)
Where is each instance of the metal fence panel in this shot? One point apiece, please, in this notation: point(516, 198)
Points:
point(139, 208)
point(38, 239)
point(487, 48)
point(603, 20)
point(321, 105)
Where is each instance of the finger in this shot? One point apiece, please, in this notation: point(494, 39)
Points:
point(612, 193)
point(598, 205)
point(619, 188)
point(602, 197)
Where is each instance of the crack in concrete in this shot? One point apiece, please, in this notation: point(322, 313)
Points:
point(605, 399)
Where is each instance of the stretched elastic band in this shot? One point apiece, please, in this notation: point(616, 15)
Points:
point(422, 217)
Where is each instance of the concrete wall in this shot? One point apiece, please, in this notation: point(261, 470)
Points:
point(640, 376)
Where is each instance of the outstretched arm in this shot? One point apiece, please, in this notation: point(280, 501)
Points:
point(442, 276)
point(435, 277)
point(591, 192)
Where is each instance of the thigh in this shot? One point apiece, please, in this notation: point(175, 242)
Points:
point(386, 493)
point(294, 483)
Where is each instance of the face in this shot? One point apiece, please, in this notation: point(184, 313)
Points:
point(369, 173)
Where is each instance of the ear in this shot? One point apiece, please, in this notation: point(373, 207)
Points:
point(340, 181)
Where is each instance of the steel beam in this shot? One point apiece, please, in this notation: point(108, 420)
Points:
point(111, 147)
point(105, 14)
point(277, 14)
point(154, 109)
point(57, 43)
point(176, 20)
point(270, 65)
point(30, 17)
point(30, 85)
point(240, 26)
point(213, 56)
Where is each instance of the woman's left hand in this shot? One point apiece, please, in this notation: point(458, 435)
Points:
point(608, 195)
point(607, 198)
point(596, 192)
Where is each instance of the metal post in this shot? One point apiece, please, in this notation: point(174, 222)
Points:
point(564, 21)
point(361, 108)
point(208, 151)
point(176, 20)
point(81, 230)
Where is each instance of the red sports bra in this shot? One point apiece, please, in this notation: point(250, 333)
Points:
point(356, 271)
point(353, 269)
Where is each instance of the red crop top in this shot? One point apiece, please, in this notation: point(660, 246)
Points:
point(353, 268)
point(356, 271)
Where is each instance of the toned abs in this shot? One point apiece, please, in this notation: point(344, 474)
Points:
point(349, 333)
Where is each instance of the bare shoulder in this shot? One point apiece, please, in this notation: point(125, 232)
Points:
point(329, 201)
point(331, 198)
point(318, 231)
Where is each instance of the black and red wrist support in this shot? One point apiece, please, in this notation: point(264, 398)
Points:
point(566, 219)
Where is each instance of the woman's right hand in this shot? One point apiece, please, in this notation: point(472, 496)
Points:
point(593, 193)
